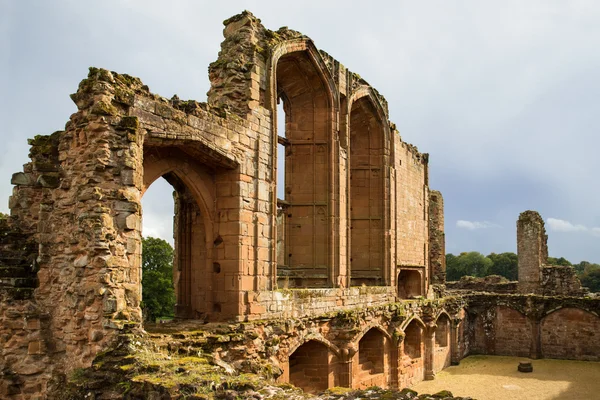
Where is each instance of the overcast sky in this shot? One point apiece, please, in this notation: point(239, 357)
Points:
point(504, 95)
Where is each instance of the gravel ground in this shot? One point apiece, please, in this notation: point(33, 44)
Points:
point(497, 378)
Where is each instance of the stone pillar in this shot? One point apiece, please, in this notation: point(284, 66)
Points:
point(536, 345)
point(437, 239)
point(429, 350)
point(532, 250)
point(455, 341)
point(396, 354)
point(182, 267)
point(345, 367)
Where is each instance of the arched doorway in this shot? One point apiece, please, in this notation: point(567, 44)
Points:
point(194, 275)
point(158, 290)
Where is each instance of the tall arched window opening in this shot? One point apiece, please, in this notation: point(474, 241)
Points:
point(307, 233)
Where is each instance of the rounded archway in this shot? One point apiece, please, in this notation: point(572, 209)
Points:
point(412, 359)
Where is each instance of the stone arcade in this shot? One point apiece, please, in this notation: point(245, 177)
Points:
point(352, 258)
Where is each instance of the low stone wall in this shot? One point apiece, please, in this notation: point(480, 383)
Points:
point(348, 348)
point(533, 326)
point(491, 283)
point(559, 280)
point(299, 303)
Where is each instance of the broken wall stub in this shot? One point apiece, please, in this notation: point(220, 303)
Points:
point(357, 201)
point(437, 240)
point(532, 250)
point(535, 275)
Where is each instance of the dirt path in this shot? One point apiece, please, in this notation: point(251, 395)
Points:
point(497, 378)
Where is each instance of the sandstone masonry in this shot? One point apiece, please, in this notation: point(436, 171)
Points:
point(351, 259)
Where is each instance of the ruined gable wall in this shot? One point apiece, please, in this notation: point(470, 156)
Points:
point(407, 219)
point(80, 201)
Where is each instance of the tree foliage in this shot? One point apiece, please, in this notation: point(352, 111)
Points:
point(591, 280)
point(476, 264)
point(558, 261)
point(158, 294)
point(471, 263)
point(589, 274)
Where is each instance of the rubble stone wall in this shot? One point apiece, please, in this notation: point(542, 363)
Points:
point(490, 283)
point(560, 280)
point(75, 221)
point(437, 239)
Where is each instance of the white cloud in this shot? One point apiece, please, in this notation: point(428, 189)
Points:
point(560, 225)
point(473, 225)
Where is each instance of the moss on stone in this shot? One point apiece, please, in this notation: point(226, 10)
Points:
point(104, 108)
point(130, 123)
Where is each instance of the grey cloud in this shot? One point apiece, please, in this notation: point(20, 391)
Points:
point(503, 95)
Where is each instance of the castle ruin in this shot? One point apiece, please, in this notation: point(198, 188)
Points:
point(349, 265)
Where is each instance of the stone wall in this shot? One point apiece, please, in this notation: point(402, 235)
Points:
point(535, 276)
point(356, 209)
point(533, 326)
point(490, 283)
point(532, 250)
point(412, 206)
point(571, 331)
point(560, 280)
point(437, 239)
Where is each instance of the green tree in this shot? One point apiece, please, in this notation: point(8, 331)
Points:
point(453, 271)
point(467, 264)
point(505, 264)
point(585, 267)
point(591, 280)
point(558, 261)
point(158, 298)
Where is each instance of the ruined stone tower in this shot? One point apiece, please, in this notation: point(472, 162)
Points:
point(532, 250)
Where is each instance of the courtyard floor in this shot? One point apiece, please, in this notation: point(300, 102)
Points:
point(497, 378)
